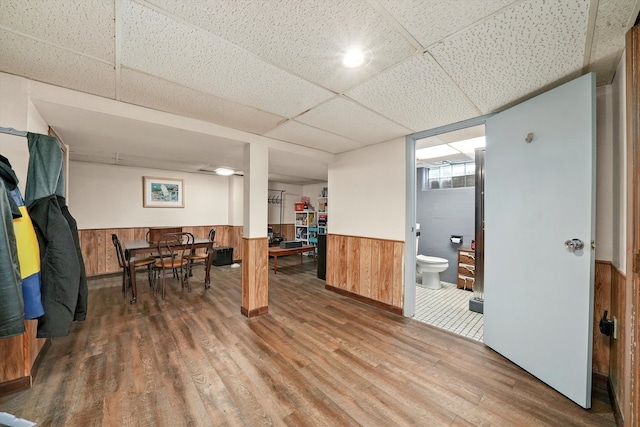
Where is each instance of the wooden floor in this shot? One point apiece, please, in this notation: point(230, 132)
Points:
point(317, 359)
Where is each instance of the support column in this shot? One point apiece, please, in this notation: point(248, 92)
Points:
point(255, 245)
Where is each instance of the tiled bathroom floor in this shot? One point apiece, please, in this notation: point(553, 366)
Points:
point(448, 308)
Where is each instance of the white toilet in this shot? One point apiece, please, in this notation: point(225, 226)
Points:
point(430, 267)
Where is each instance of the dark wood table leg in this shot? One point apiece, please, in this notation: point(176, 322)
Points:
point(275, 264)
point(132, 276)
point(207, 274)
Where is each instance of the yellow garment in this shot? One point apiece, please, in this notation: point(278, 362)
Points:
point(27, 243)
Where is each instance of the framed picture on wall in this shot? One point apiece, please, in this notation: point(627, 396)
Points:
point(162, 192)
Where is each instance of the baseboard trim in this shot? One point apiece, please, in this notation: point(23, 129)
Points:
point(366, 300)
point(14, 386)
point(255, 312)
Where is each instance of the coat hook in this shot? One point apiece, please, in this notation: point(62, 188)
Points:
point(529, 137)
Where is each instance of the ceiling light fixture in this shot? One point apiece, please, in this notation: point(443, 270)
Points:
point(356, 57)
point(435, 152)
point(224, 171)
point(469, 145)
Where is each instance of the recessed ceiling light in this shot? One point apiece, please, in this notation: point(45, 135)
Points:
point(224, 171)
point(356, 57)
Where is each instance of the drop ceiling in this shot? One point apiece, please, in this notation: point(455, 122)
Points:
point(272, 68)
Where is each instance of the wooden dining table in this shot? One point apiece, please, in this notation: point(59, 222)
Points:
point(136, 248)
point(276, 251)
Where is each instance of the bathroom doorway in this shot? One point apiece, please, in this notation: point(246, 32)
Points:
point(448, 210)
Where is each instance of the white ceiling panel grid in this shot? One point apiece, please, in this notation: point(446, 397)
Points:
point(26, 57)
point(84, 26)
point(506, 57)
point(416, 94)
point(302, 134)
point(158, 45)
point(351, 120)
point(153, 92)
point(249, 65)
point(429, 21)
point(304, 37)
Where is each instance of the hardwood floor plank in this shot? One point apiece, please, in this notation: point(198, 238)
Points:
point(317, 359)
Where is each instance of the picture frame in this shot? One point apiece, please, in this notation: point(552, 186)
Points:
point(162, 192)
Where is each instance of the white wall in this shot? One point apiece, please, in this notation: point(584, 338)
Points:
point(313, 192)
point(604, 173)
point(367, 192)
point(619, 167)
point(291, 195)
point(106, 196)
point(236, 200)
point(611, 171)
point(16, 111)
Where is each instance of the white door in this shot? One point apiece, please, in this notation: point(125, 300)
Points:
point(538, 309)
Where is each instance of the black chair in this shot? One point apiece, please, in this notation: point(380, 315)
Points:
point(173, 249)
point(202, 257)
point(124, 265)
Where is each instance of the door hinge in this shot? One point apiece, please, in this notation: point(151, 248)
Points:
point(636, 263)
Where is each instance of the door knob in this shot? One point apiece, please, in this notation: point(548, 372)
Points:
point(574, 244)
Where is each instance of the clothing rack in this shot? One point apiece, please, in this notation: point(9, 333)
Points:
point(12, 131)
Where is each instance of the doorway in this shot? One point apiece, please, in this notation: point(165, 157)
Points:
point(446, 213)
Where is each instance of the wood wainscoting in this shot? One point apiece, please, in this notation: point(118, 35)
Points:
point(18, 355)
point(367, 269)
point(99, 254)
point(601, 302)
point(617, 365)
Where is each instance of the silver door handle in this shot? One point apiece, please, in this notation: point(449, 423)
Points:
point(574, 244)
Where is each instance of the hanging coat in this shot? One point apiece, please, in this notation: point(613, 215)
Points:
point(11, 306)
point(60, 266)
point(27, 245)
point(29, 258)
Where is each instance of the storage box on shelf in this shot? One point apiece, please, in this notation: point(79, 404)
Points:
point(466, 268)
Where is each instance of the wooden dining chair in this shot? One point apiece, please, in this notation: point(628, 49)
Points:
point(201, 257)
point(173, 249)
point(124, 265)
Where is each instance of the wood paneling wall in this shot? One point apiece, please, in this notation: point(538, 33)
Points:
point(17, 357)
point(367, 267)
point(601, 302)
point(288, 230)
point(617, 368)
point(99, 253)
point(631, 377)
point(255, 277)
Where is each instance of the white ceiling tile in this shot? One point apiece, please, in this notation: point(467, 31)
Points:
point(84, 26)
point(608, 38)
point(158, 45)
point(416, 94)
point(151, 92)
point(353, 121)
point(298, 133)
point(304, 37)
point(38, 61)
point(516, 53)
point(432, 20)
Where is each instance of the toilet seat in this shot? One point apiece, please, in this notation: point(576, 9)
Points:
point(432, 259)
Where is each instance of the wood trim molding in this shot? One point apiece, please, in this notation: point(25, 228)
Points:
point(369, 301)
point(14, 386)
point(633, 221)
point(255, 312)
point(365, 237)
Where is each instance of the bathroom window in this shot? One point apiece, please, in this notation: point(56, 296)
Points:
point(455, 175)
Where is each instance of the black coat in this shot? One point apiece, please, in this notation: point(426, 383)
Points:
point(59, 267)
